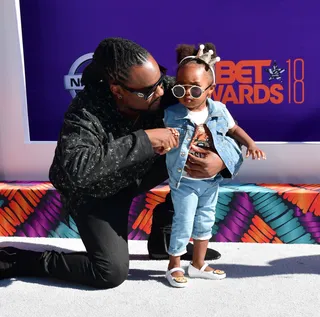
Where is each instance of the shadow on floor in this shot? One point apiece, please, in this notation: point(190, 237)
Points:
point(287, 266)
point(34, 246)
point(294, 265)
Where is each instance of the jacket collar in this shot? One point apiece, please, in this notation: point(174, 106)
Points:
point(213, 107)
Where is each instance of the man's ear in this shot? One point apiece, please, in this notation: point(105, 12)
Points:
point(116, 90)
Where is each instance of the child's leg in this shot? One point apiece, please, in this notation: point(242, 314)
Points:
point(199, 252)
point(185, 201)
point(203, 223)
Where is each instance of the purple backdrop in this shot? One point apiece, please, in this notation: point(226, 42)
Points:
point(268, 74)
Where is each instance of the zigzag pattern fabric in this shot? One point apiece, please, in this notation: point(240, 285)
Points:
point(257, 213)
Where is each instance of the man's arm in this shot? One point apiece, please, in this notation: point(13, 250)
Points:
point(155, 176)
point(86, 154)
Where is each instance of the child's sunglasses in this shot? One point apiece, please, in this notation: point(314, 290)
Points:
point(179, 91)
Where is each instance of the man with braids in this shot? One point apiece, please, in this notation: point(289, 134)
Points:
point(205, 123)
point(107, 153)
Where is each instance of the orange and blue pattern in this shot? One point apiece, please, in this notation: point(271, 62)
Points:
point(258, 213)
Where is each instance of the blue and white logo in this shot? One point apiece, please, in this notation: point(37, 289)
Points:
point(72, 81)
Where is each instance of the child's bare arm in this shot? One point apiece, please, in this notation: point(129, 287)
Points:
point(243, 138)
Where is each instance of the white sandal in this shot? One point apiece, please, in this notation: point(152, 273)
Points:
point(180, 281)
point(211, 275)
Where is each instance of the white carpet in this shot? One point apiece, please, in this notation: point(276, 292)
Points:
point(262, 280)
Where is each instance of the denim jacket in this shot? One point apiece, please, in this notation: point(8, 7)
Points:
point(177, 117)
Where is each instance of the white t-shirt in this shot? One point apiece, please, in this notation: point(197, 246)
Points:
point(200, 117)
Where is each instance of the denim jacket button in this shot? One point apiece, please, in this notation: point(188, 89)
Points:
point(183, 154)
point(179, 170)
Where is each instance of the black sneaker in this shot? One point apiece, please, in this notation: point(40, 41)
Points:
point(157, 252)
point(8, 258)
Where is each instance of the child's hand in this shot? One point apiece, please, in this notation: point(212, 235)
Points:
point(255, 152)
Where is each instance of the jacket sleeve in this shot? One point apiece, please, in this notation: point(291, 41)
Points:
point(88, 153)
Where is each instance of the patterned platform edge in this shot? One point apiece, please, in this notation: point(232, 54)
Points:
point(258, 213)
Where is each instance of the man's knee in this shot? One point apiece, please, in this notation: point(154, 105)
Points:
point(110, 275)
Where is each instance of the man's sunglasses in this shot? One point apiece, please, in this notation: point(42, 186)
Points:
point(179, 91)
point(147, 92)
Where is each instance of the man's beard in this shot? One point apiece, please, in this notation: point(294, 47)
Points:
point(148, 109)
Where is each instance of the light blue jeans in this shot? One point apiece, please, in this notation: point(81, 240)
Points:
point(194, 212)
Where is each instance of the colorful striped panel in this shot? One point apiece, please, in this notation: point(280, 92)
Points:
point(258, 213)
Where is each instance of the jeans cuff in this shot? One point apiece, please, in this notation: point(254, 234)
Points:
point(178, 253)
point(207, 237)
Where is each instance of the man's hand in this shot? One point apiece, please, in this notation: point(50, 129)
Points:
point(255, 152)
point(204, 167)
point(163, 140)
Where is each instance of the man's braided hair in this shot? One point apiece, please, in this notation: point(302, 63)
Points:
point(112, 61)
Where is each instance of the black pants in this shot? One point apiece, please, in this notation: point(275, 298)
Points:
point(103, 230)
point(103, 226)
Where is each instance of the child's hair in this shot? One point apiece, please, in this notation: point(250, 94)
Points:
point(184, 50)
point(205, 55)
